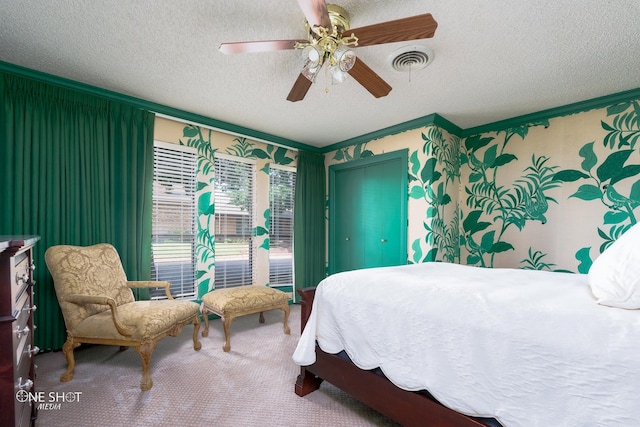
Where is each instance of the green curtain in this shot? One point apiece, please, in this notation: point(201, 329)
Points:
point(78, 170)
point(309, 221)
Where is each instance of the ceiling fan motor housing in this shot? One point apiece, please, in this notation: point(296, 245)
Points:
point(329, 45)
point(340, 22)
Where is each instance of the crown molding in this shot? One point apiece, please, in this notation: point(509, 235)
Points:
point(429, 120)
point(564, 110)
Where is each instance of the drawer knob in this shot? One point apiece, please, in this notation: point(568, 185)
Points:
point(26, 385)
point(32, 351)
point(32, 308)
point(25, 278)
point(21, 332)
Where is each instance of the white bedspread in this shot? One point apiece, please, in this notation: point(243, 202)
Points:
point(529, 348)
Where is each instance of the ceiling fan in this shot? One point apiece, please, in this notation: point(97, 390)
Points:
point(330, 41)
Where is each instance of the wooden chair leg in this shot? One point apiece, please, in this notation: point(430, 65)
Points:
point(145, 350)
point(196, 327)
point(67, 350)
point(226, 323)
point(286, 311)
point(205, 315)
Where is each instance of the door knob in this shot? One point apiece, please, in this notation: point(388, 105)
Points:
point(347, 238)
point(383, 240)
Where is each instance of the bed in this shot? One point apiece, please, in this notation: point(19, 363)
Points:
point(443, 344)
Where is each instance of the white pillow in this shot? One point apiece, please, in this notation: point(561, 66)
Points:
point(614, 276)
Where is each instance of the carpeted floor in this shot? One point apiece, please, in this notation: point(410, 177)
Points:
point(252, 385)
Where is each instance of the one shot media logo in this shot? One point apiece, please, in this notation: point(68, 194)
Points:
point(48, 401)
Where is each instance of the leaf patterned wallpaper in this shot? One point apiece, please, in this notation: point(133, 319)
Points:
point(209, 142)
point(550, 195)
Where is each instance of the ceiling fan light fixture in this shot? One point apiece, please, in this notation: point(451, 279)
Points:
point(344, 58)
point(313, 59)
point(312, 53)
point(337, 75)
point(310, 70)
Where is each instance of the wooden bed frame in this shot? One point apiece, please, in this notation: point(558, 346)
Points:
point(406, 407)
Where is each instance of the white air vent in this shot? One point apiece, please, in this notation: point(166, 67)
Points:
point(410, 58)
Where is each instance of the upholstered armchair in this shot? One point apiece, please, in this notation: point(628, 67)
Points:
point(98, 306)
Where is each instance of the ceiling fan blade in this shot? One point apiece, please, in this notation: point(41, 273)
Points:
point(316, 13)
point(259, 46)
point(299, 89)
point(399, 30)
point(369, 79)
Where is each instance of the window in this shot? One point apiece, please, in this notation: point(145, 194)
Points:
point(234, 219)
point(282, 182)
point(173, 224)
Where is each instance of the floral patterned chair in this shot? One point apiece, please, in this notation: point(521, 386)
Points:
point(99, 308)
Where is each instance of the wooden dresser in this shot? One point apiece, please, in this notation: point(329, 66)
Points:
point(17, 350)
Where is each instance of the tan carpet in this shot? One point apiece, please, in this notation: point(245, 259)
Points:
point(252, 385)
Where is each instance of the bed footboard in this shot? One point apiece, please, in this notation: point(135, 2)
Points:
point(406, 407)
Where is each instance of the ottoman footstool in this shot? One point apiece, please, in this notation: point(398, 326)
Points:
point(230, 303)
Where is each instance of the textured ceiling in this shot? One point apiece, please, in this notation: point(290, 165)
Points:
point(494, 59)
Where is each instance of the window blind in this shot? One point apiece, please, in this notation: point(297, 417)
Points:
point(282, 182)
point(234, 221)
point(173, 223)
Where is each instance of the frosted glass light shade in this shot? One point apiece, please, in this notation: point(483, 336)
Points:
point(344, 58)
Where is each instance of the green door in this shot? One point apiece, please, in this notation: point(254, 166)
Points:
point(367, 212)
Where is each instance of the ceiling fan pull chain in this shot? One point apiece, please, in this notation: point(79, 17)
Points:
point(326, 79)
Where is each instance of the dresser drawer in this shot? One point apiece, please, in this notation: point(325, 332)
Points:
point(16, 330)
point(21, 328)
point(21, 277)
point(23, 375)
point(23, 380)
point(23, 413)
